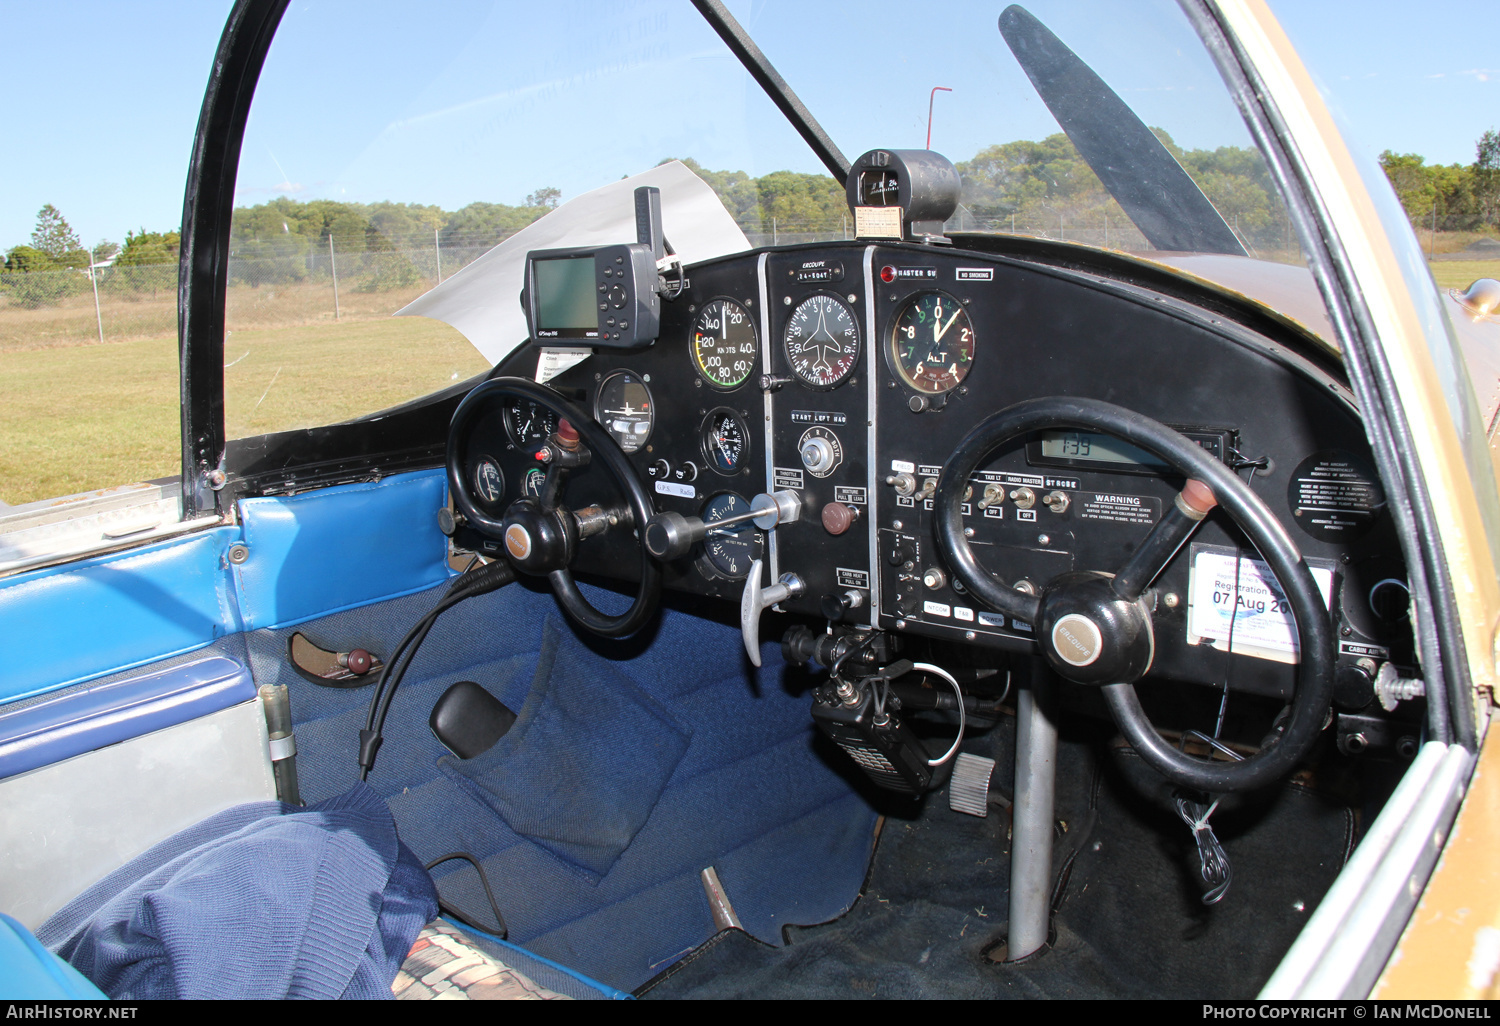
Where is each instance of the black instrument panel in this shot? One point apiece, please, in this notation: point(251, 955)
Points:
point(870, 363)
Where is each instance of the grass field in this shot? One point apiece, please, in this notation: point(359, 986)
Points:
point(1460, 274)
point(76, 415)
point(80, 417)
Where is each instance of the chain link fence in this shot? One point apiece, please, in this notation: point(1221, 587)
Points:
point(296, 281)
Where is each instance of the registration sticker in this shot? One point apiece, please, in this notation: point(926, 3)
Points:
point(1259, 610)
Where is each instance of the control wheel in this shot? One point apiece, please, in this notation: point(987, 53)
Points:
point(1095, 628)
point(540, 534)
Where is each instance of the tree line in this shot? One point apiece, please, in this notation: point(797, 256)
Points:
point(1023, 185)
point(1449, 197)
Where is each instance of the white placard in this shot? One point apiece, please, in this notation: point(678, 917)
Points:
point(682, 491)
point(551, 362)
point(1264, 626)
point(877, 222)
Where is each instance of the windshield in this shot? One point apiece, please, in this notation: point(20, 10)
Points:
point(456, 132)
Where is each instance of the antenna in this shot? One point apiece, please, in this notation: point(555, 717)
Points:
point(930, 97)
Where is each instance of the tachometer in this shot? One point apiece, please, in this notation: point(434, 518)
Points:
point(729, 551)
point(932, 343)
point(625, 407)
point(822, 341)
point(527, 423)
point(724, 343)
point(725, 440)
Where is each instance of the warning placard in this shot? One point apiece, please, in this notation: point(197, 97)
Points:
point(1122, 509)
point(1246, 599)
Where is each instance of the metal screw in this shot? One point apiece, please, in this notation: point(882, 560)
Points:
point(897, 524)
point(786, 300)
point(900, 625)
point(216, 479)
point(1170, 600)
point(853, 298)
point(968, 532)
point(1044, 539)
point(969, 635)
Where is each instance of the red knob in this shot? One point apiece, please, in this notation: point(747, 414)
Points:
point(357, 662)
point(1198, 497)
point(838, 518)
point(567, 435)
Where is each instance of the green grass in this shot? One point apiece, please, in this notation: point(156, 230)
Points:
point(83, 417)
point(276, 379)
point(1460, 274)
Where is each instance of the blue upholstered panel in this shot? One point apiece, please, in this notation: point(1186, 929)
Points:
point(67, 624)
point(29, 972)
point(337, 548)
point(67, 725)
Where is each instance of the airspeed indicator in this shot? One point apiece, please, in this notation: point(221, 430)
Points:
point(724, 343)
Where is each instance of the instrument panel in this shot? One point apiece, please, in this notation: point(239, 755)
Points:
point(849, 372)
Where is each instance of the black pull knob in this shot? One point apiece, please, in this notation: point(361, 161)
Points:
point(670, 535)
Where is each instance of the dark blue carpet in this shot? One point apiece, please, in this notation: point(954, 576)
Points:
point(695, 759)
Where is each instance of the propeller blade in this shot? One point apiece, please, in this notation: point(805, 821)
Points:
point(1148, 183)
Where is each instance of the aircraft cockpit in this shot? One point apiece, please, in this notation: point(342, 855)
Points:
point(980, 568)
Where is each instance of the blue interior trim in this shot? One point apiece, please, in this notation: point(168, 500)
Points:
point(613, 993)
point(81, 721)
point(29, 972)
point(67, 624)
point(340, 548)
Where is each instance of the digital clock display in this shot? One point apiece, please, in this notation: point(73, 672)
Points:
point(1086, 446)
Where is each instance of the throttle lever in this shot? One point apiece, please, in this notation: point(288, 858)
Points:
point(755, 600)
point(670, 535)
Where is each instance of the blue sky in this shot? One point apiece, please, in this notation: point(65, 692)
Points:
point(462, 101)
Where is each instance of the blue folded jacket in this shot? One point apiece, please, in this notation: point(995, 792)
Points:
point(260, 901)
